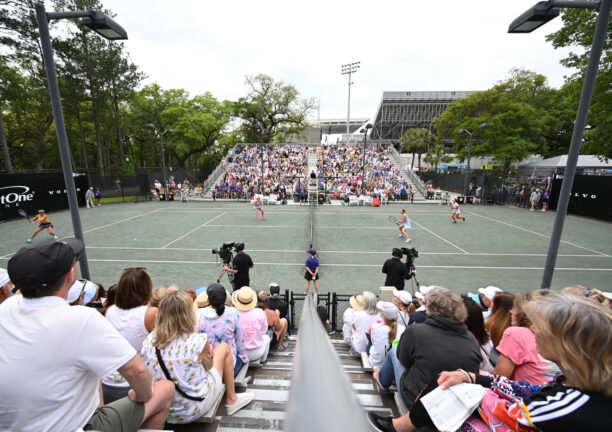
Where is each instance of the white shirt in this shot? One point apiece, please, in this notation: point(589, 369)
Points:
point(347, 327)
point(51, 358)
point(363, 321)
point(380, 343)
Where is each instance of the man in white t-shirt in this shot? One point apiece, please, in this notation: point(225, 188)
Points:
point(53, 355)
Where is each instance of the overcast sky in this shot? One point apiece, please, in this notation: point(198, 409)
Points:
point(402, 45)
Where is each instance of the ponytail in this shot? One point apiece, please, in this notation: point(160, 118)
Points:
point(392, 330)
point(220, 309)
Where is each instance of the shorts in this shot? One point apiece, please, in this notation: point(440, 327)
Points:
point(45, 225)
point(257, 206)
point(308, 276)
point(216, 387)
point(121, 415)
point(456, 212)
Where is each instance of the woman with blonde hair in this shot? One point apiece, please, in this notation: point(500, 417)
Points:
point(500, 318)
point(580, 291)
point(156, 297)
point(177, 352)
point(576, 334)
point(133, 318)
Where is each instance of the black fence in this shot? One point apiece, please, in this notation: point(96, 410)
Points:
point(336, 305)
point(591, 196)
point(33, 192)
point(119, 186)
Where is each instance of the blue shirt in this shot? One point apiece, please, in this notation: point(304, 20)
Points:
point(312, 263)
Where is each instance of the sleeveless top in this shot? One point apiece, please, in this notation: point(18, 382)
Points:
point(130, 324)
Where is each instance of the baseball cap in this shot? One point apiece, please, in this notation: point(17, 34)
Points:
point(274, 288)
point(4, 277)
point(82, 286)
point(311, 251)
point(404, 296)
point(489, 292)
point(387, 309)
point(607, 295)
point(41, 264)
point(422, 292)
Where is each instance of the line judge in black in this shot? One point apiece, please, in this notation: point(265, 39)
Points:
point(396, 270)
point(241, 264)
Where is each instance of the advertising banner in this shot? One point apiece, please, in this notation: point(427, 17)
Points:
point(591, 196)
point(33, 192)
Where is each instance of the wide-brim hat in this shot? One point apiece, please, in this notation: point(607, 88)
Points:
point(356, 302)
point(244, 299)
point(200, 301)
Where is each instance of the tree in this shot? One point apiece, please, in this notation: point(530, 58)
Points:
point(577, 32)
point(437, 153)
point(276, 106)
point(416, 141)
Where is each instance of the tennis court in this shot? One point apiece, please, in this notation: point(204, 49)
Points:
point(500, 246)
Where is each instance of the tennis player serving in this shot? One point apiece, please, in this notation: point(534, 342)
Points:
point(44, 223)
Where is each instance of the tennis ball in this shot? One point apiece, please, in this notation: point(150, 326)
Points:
point(134, 239)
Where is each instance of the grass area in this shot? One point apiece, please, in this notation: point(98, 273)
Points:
point(114, 200)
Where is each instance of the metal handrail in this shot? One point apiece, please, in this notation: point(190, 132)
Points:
point(212, 178)
point(415, 179)
point(321, 396)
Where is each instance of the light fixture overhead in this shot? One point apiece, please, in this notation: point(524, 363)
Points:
point(535, 17)
point(105, 26)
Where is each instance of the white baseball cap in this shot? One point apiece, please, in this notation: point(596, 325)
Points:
point(387, 309)
point(489, 292)
point(607, 295)
point(89, 290)
point(404, 296)
point(4, 277)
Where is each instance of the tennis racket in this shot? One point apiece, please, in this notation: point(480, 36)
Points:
point(393, 219)
point(23, 213)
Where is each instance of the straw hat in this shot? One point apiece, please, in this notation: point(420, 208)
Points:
point(200, 301)
point(244, 299)
point(356, 302)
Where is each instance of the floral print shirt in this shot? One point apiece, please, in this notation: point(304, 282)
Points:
point(224, 328)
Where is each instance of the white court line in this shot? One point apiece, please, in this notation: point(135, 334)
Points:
point(441, 238)
point(537, 233)
point(352, 265)
point(115, 223)
point(300, 212)
point(195, 229)
point(299, 226)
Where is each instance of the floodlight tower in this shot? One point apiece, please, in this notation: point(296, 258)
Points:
point(349, 69)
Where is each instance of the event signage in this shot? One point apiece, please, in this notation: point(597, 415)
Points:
point(33, 192)
point(591, 196)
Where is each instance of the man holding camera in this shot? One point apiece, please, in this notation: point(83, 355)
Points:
point(396, 270)
point(242, 263)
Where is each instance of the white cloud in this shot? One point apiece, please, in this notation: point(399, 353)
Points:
point(438, 45)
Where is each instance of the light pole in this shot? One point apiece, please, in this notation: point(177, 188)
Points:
point(467, 168)
point(261, 130)
point(533, 18)
point(364, 131)
point(161, 139)
point(349, 69)
point(106, 27)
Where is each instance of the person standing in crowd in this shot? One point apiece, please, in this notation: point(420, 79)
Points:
point(89, 196)
point(64, 351)
point(43, 223)
point(312, 270)
point(545, 199)
point(396, 270)
point(6, 286)
point(534, 199)
point(241, 264)
point(98, 196)
point(456, 212)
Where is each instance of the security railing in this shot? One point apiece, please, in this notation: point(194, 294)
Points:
point(414, 179)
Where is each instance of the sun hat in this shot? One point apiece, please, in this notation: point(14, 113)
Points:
point(4, 277)
point(43, 263)
point(311, 251)
point(387, 309)
point(404, 296)
point(88, 288)
point(200, 301)
point(607, 295)
point(244, 299)
point(489, 292)
point(356, 302)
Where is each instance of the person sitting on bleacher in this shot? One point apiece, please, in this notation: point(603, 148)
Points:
point(275, 302)
point(382, 334)
point(574, 333)
point(475, 324)
point(53, 355)
point(253, 323)
point(420, 315)
point(221, 325)
point(175, 351)
point(277, 326)
point(362, 322)
point(442, 342)
point(403, 301)
point(348, 317)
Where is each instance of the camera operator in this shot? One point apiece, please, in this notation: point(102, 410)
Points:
point(242, 263)
point(396, 270)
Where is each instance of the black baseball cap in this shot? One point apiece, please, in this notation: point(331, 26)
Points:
point(396, 252)
point(41, 264)
point(216, 294)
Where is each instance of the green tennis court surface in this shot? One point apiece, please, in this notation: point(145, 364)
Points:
point(505, 247)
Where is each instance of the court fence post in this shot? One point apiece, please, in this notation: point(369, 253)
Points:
point(334, 311)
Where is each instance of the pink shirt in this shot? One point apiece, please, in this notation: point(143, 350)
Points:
point(519, 345)
point(254, 325)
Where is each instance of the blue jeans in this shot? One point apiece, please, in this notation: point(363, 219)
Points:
point(238, 365)
point(392, 369)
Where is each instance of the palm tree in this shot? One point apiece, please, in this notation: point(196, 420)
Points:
point(416, 141)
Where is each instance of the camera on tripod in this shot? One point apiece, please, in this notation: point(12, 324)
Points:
point(225, 252)
point(411, 254)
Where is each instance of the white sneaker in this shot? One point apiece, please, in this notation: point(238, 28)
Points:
point(400, 235)
point(243, 400)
